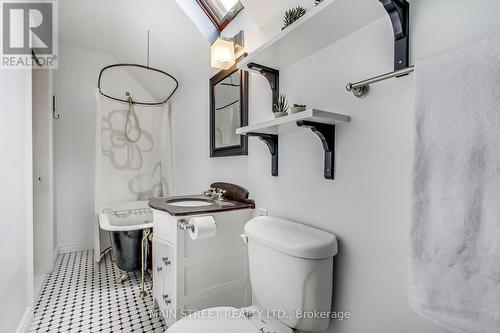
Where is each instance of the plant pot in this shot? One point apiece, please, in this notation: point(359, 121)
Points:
point(279, 114)
point(296, 109)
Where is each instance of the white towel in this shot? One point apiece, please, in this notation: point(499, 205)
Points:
point(455, 232)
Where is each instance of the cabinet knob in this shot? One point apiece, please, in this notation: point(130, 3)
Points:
point(166, 261)
point(159, 269)
point(166, 299)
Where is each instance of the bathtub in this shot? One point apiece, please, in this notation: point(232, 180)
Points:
point(125, 222)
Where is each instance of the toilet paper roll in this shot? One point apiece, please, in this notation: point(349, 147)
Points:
point(203, 227)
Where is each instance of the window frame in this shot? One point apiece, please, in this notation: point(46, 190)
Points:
point(211, 16)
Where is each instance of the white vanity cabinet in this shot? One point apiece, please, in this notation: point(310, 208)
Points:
point(190, 275)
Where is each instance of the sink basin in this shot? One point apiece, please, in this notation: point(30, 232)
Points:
point(188, 202)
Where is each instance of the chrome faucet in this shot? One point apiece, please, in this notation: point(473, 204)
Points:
point(215, 193)
point(210, 193)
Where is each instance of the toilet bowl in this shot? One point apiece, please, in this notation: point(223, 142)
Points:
point(291, 273)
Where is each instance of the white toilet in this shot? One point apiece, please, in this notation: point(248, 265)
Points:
point(291, 272)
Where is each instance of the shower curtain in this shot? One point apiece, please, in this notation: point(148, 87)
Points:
point(126, 170)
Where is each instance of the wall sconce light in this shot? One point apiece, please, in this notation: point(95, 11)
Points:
point(224, 51)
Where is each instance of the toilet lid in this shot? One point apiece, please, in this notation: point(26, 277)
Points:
point(215, 320)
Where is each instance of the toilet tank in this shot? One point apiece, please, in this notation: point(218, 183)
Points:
point(291, 271)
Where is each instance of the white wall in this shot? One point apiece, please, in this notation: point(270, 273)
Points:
point(16, 252)
point(43, 191)
point(76, 82)
point(367, 205)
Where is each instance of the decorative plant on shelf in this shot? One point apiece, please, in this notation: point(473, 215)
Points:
point(317, 2)
point(297, 108)
point(281, 107)
point(293, 15)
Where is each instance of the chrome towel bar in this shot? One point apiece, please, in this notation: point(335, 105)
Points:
point(360, 89)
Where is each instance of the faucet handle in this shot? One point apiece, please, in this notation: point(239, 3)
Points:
point(220, 193)
point(215, 192)
point(210, 192)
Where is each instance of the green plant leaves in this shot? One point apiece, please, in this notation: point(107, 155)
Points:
point(293, 15)
point(282, 105)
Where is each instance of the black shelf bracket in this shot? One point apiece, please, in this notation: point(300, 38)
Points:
point(326, 134)
point(399, 12)
point(272, 75)
point(271, 140)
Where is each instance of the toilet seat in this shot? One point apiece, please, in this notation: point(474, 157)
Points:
point(227, 320)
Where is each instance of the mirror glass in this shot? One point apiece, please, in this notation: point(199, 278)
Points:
point(227, 111)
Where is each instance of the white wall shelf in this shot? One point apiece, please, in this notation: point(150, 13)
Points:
point(321, 26)
point(322, 123)
point(273, 126)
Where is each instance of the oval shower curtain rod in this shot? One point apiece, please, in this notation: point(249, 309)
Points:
point(145, 67)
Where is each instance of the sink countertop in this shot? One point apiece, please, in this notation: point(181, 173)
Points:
point(215, 207)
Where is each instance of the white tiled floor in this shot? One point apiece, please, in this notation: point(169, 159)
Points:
point(83, 296)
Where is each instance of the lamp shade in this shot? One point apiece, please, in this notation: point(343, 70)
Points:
point(222, 53)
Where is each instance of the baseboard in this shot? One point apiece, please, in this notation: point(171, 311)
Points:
point(38, 285)
point(54, 257)
point(25, 323)
point(74, 247)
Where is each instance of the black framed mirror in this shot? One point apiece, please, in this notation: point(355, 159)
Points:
point(228, 111)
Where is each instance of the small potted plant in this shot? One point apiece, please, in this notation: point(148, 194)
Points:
point(297, 108)
point(280, 109)
point(293, 15)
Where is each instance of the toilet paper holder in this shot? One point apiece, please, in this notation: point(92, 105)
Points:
point(185, 225)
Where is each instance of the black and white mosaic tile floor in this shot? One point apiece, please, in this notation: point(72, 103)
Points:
point(80, 295)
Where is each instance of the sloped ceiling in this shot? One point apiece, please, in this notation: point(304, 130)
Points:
point(194, 11)
point(119, 28)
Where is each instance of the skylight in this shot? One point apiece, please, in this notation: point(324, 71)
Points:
point(229, 4)
point(221, 12)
